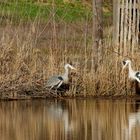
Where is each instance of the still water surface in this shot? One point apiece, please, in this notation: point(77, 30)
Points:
point(70, 120)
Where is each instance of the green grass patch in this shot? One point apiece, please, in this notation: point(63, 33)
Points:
point(18, 10)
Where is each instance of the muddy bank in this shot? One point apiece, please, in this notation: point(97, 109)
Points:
point(38, 92)
point(29, 92)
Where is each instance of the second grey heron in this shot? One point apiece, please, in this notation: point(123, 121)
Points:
point(58, 80)
point(133, 75)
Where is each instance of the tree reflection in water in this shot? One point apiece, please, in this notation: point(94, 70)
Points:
point(70, 120)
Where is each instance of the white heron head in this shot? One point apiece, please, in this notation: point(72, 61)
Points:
point(69, 66)
point(125, 63)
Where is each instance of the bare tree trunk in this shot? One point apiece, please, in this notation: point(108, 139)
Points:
point(54, 24)
point(116, 23)
point(97, 29)
point(97, 37)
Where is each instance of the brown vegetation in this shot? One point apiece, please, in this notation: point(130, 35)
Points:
point(32, 53)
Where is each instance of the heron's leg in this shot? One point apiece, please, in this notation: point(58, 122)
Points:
point(53, 91)
point(59, 86)
point(50, 89)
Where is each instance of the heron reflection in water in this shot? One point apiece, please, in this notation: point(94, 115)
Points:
point(133, 121)
point(58, 113)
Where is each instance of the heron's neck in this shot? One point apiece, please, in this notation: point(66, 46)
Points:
point(65, 75)
point(130, 68)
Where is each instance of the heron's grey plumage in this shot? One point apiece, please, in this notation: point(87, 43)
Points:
point(54, 81)
point(58, 80)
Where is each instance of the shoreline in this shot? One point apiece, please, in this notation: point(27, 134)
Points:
point(19, 96)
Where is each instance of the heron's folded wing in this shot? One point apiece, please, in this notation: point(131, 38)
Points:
point(53, 81)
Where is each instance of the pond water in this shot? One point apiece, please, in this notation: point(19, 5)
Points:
point(71, 119)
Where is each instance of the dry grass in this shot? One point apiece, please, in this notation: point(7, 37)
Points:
point(31, 53)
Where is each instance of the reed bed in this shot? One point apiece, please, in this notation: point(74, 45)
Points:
point(27, 61)
point(35, 50)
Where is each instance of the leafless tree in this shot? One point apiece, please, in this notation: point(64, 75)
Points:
point(97, 28)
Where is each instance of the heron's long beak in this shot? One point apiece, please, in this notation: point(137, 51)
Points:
point(73, 68)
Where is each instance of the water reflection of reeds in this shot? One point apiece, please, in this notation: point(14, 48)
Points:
point(69, 119)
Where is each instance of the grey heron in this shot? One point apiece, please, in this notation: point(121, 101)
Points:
point(133, 75)
point(58, 80)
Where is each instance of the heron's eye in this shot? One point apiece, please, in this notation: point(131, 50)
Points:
point(124, 62)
